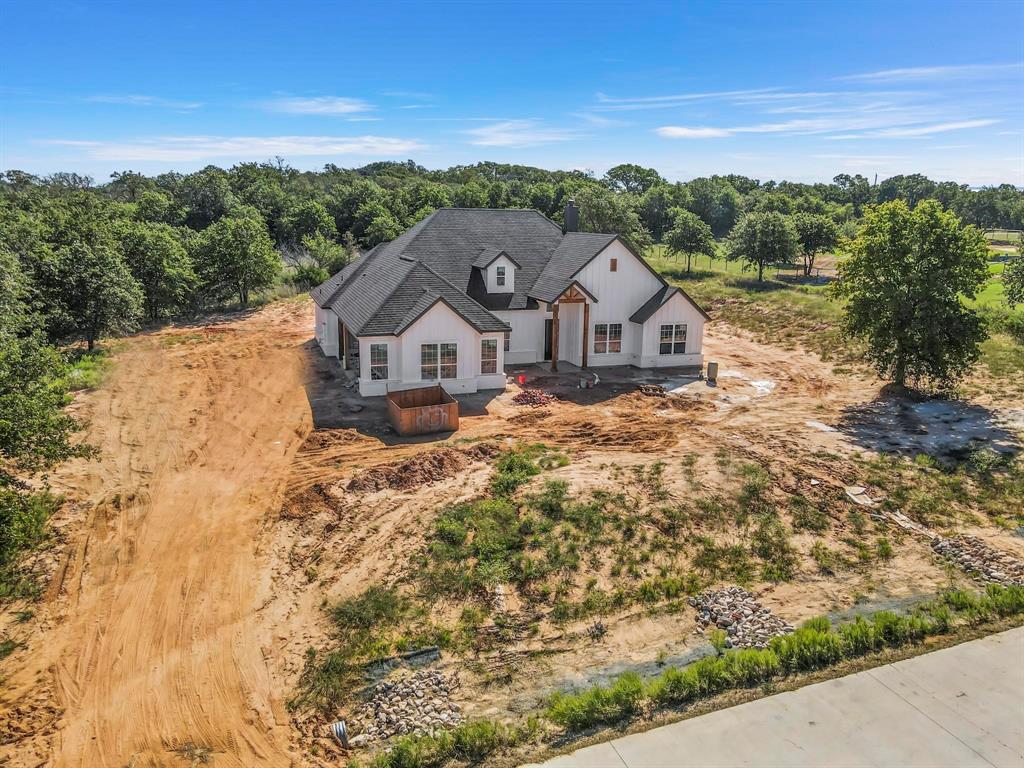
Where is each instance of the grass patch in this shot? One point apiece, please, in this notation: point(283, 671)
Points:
point(87, 370)
point(471, 743)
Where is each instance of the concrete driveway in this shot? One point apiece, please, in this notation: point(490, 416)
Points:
point(959, 707)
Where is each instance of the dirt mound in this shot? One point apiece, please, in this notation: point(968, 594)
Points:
point(637, 435)
point(312, 501)
point(328, 438)
point(422, 469)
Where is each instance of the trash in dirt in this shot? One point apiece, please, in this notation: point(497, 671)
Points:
point(340, 733)
point(421, 469)
point(815, 482)
point(858, 495)
point(763, 387)
point(533, 397)
point(652, 390)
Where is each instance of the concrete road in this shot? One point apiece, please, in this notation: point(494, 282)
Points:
point(959, 707)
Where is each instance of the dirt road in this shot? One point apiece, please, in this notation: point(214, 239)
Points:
point(153, 646)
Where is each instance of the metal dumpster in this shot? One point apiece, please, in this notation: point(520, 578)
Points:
point(422, 411)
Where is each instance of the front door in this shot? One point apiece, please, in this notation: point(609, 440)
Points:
point(547, 339)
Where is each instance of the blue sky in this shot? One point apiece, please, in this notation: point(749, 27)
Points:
point(797, 91)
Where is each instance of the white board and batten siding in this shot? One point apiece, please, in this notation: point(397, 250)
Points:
point(438, 325)
point(676, 310)
point(327, 331)
point(492, 276)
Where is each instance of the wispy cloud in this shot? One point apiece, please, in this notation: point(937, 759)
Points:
point(199, 148)
point(962, 71)
point(318, 105)
point(518, 133)
point(916, 131)
point(873, 126)
point(607, 103)
point(688, 132)
point(139, 100)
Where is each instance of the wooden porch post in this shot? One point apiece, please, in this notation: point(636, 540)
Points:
point(343, 332)
point(586, 331)
point(554, 336)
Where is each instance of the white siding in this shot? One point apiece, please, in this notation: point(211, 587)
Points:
point(510, 276)
point(619, 294)
point(676, 310)
point(526, 343)
point(438, 325)
point(326, 331)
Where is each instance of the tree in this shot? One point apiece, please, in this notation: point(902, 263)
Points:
point(817, 233)
point(764, 238)
point(98, 294)
point(601, 211)
point(1013, 278)
point(904, 279)
point(634, 179)
point(158, 260)
point(716, 201)
point(236, 257)
point(689, 235)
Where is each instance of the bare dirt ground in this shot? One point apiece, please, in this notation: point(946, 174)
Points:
point(198, 551)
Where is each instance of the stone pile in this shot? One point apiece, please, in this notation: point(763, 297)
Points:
point(418, 704)
point(747, 623)
point(980, 560)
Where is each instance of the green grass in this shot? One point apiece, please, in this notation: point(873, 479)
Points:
point(87, 370)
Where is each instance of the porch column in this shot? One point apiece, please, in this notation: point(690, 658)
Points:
point(586, 331)
point(554, 336)
point(343, 343)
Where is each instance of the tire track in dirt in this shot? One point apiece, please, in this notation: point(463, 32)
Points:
point(157, 642)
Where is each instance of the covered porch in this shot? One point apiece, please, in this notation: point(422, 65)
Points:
point(568, 341)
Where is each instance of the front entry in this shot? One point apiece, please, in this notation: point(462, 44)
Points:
point(548, 324)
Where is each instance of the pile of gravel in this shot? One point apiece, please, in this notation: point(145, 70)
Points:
point(748, 623)
point(417, 704)
point(981, 560)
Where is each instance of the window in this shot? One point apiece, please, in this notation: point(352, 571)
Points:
point(428, 362)
point(439, 361)
point(378, 362)
point(614, 265)
point(672, 340)
point(607, 338)
point(499, 275)
point(488, 356)
point(508, 340)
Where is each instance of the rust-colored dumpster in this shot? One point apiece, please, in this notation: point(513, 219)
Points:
point(422, 411)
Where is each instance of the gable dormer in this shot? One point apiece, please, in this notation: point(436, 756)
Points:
point(498, 270)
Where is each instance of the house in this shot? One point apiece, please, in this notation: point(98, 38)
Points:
point(467, 291)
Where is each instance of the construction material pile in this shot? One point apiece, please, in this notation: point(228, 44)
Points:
point(980, 560)
point(422, 469)
point(652, 390)
point(418, 704)
point(533, 397)
point(747, 623)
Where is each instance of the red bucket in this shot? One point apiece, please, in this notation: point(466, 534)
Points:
point(521, 378)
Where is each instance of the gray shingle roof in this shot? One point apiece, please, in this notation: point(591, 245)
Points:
point(440, 258)
point(660, 298)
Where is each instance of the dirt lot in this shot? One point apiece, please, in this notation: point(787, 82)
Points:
point(197, 553)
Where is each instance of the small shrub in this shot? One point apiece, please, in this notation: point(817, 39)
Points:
point(883, 549)
point(807, 516)
point(858, 637)
point(807, 649)
point(718, 638)
point(598, 705)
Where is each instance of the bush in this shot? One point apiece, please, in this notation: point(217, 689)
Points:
point(471, 742)
point(598, 705)
point(514, 469)
point(858, 637)
point(807, 648)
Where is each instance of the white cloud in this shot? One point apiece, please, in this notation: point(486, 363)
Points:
point(609, 104)
point(199, 148)
point(518, 133)
point(963, 71)
point(139, 100)
point(914, 131)
point(685, 132)
point(318, 105)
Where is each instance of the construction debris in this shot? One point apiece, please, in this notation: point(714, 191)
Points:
point(652, 390)
point(985, 562)
point(533, 397)
point(418, 704)
point(748, 623)
point(858, 495)
point(422, 469)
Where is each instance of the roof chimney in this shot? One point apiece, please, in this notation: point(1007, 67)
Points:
point(572, 217)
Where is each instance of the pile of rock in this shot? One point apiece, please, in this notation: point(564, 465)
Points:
point(533, 397)
point(981, 560)
point(748, 623)
point(417, 704)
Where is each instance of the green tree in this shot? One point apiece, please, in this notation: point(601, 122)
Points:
point(818, 233)
point(98, 294)
point(716, 201)
point(905, 278)
point(236, 257)
point(689, 235)
point(631, 178)
point(158, 260)
point(307, 218)
point(761, 239)
point(602, 211)
point(1013, 278)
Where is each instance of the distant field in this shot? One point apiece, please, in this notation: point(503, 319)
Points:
point(1003, 236)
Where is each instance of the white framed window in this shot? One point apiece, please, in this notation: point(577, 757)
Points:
point(672, 340)
point(508, 340)
point(499, 275)
point(488, 356)
point(607, 338)
point(439, 361)
point(378, 362)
